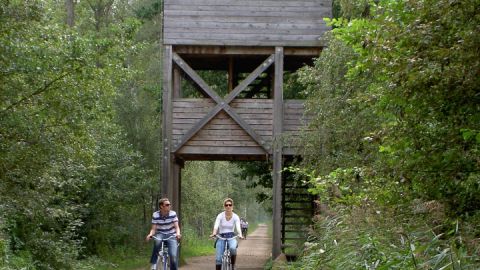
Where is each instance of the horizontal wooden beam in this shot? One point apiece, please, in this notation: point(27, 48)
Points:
point(245, 50)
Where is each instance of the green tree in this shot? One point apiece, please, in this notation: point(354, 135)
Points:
point(399, 82)
point(60, 139)
point(396, 122)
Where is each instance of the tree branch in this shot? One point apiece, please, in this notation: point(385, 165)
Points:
point(40, 90)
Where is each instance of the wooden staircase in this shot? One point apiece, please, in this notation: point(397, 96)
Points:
point(297, 213)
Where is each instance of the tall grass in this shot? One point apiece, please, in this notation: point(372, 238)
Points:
point(387, 238)
point(195, 245)
point(121, 259)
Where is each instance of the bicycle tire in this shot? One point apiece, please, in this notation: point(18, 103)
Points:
point(160, 263)
point(226, 263)
point(164, 265)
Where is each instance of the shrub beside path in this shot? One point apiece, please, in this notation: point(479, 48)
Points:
point(252, 253)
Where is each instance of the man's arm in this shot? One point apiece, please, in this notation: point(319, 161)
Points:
point(152, 232)
point(177, 230)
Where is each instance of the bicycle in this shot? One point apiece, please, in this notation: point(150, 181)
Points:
point(163, 260)
point(226, 259)
point(244, 232)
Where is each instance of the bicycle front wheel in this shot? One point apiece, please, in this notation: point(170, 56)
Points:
point(226, 263)
point(164, 263)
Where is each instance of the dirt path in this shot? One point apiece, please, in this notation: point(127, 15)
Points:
point(252, 253)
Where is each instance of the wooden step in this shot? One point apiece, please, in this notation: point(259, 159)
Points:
point(294, 238)
point(298, 201)
point(295, 223)
point(299, 216)
point(298, 208)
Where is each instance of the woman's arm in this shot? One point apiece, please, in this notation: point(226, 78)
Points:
point(216, 225)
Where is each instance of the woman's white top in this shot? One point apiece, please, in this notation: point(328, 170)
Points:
point(225, 226)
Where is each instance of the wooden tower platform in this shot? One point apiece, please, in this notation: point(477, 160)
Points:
point(254, 42)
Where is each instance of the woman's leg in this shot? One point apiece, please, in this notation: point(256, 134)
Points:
point(219, 249)
point(232, 246)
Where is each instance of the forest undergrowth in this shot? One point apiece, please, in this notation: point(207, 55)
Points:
point(406, 236)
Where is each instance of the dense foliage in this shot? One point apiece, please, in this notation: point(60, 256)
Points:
point(71, 182)
point(393, 150)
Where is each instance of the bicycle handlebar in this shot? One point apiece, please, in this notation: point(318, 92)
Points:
point(219, 237)
point(165, 239)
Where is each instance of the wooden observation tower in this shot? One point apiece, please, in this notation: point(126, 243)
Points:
point(254, 42)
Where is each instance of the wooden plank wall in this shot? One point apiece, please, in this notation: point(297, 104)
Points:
point(293, 122)
point(294, 119)
point(222, 135)
point(246, 22)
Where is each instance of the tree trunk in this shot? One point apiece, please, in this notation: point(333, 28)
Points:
point(70, 8)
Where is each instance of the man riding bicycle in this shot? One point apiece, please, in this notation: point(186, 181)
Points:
point(164, 225)
point(244, 226)
point(225, 225)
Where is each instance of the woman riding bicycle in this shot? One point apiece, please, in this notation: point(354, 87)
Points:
point(225, 225)
point(165, 225)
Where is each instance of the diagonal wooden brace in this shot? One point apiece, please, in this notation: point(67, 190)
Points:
point(222, 104)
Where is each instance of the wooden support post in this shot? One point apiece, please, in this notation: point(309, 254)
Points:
point(177, 83)
point(176, 183)
point(167, 122)
point(175, 195)
point(277, 152)
point(177, 164)
point(230, 74)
